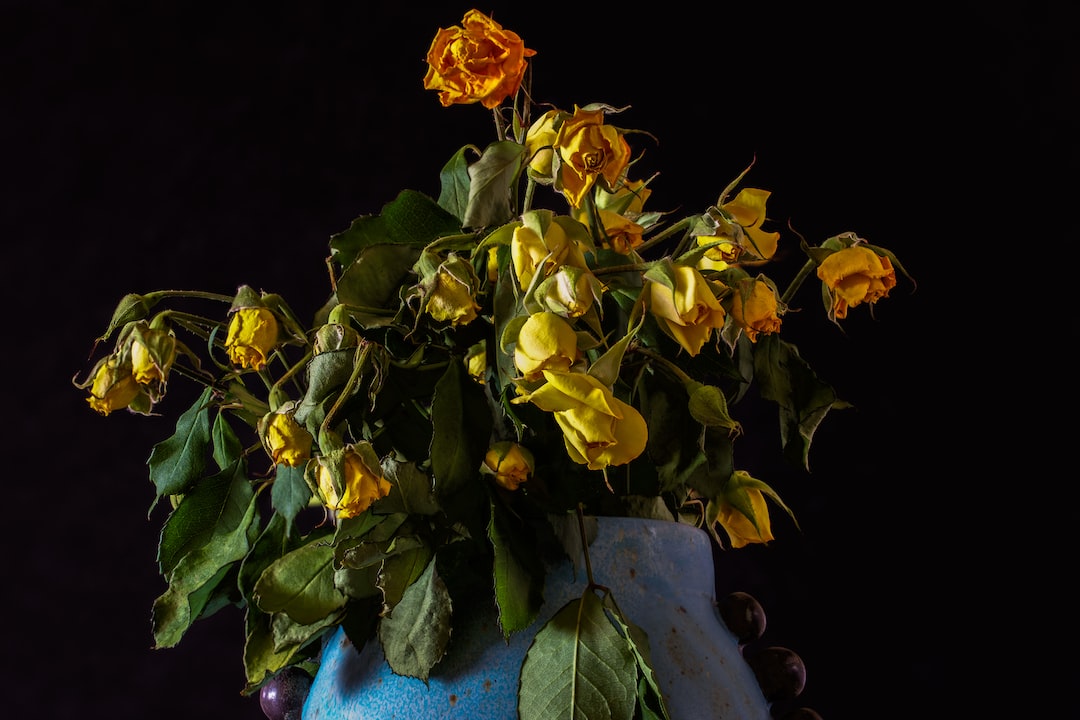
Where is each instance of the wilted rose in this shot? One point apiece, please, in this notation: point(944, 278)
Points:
point(689, 312)
point(477, 62)
point(753, 308)
point(287, 442)
point(856, 275)
point(598, 428)
point(114, 386)
point(253, 334)
point(590, 150)
point(360, 485)
point(511, 464)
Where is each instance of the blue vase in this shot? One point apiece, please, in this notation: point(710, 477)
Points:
point(661, 576)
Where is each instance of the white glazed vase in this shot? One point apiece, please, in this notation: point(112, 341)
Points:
point(661, 575)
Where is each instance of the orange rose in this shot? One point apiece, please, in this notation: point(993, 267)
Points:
point(856, 275)
point(477, 62)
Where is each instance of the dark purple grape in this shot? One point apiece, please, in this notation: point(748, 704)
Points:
point(743, 615)
point(282, 697)
point(780, 673)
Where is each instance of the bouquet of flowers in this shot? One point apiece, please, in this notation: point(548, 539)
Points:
point(533, 347)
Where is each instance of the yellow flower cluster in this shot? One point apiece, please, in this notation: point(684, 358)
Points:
point(482, 362)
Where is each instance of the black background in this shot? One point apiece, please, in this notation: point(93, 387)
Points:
point(182, 145)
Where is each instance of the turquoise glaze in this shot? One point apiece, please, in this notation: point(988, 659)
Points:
point(661, 575)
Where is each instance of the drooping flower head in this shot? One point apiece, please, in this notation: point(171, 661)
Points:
point(688, 311)
point(350, 480)
point(478, 62)
point(855, 275)
point(510, 463)
point(286, 441)
point(754, 308)
point(114, 387)
point(254, 331)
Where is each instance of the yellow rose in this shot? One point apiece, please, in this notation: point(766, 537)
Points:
point(114, 386)
point(287, 442)
point(690, 312)
point(451, 290)
point(621, 234)
point(589, 150)
point(535, 248)
point(360, 484)
point(477, 62)
point(739, 528)
point(856, 275)
point(545, 342)
point(539, 142)
point(598, 428)
point(748, 209)
point(753, 307)
point(253, 334)
point(152, 354)
point(511, 464)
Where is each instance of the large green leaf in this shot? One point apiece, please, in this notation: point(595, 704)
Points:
point(173, 612)
point(650, 696)
point(578, 666)
point(301, 584)
point(462, 427)
point(415, 635)
point(273, 642)
point(215, 507)
point(412, 218)
point(177, 463)
point(370, 284)
point(803, 398)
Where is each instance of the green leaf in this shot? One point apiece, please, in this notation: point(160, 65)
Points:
point(454, 182)
point(519, 574)
point(179, 462)
point(650, 696)
point(404, 563)
point(227, 447)
point(578, 666)
point(803, 399)
point(290, 492)
point(462, 426)
point(416, 634)
point(412, 218)
point(215, 507)
point(273, 642)
point(172, 612)
point(491, 178)
point(301, 584)
point(369, 285)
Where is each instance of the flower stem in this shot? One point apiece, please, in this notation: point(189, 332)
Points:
point(363, 352)
point(797, 281)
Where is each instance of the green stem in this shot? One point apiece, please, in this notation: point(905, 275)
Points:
point(668, 365)
point(363, 351)
point(585, 545)
point(797, 281)
point(161, 294)
point(664, 235)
